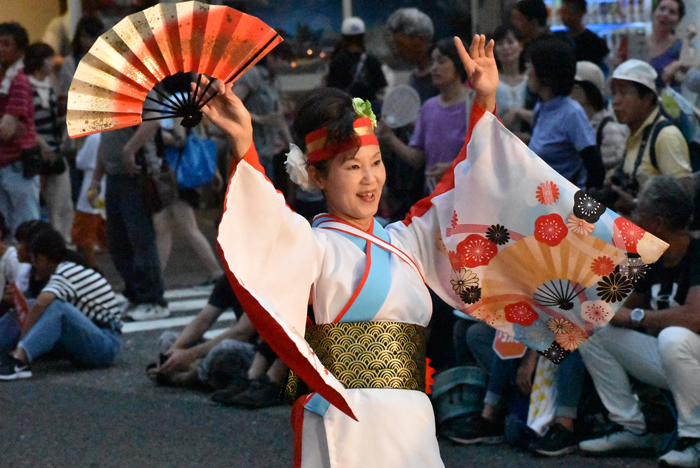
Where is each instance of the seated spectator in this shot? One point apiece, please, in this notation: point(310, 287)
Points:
point(186, 356)
point(635, 103)
point(654, 336)
point(412, 34)
point(589, 47)
point(19, 195)
point(561, 133)
point(506, 378)
point(262, 385)
point(611, 136)
point(10, 268)
point(24, 235)
point(75, 315)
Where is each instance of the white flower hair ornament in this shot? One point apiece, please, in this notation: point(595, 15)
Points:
point(296, 168)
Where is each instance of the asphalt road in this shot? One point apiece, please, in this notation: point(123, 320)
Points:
point(116, 417)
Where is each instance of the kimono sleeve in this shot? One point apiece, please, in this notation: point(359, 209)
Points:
point(272, 258)
point(506, 239)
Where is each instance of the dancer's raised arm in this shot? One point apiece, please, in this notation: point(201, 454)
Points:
point(481, 70)
point(228, 113)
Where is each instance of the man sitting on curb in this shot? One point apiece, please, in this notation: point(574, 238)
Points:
point(654, 336)
point(75, 314)
point(186, 357)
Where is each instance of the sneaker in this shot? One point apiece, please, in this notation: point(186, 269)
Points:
point(623, 443)
point(475, 430)
point(685, 454)
point(261, 393)
point(148, 312)
point(226, 396)
point(556, 441)
point(13, 369)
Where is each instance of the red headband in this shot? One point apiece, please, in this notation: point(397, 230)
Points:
point(316, 141)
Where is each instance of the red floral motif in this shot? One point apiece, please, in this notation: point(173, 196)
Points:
point(550, 229)
point(454, 220)
point(476, 250)
point(547, 193)
point(628, 232)
point(602, 266)
point(520, 313)
point(456, 260)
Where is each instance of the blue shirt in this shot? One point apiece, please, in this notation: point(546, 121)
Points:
point(560, 131)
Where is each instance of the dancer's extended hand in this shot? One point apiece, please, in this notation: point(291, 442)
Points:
point(481, 69)
point(228, 113)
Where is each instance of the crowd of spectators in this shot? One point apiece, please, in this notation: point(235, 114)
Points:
point(593, 114)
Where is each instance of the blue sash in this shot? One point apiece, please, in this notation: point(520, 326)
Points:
point(371, 295)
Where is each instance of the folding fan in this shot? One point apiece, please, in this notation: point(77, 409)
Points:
point(113, 80)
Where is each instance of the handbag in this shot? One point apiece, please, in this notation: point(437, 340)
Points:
point(195, 162)
point(160, 188)
point(33, 163)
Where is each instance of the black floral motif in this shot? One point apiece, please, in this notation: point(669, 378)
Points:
point(555, 353)
point(634, 269)
point(471, 295)
point(586, 208)
point(498, 234)
point(614, 287)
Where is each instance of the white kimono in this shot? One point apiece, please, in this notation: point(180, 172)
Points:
point(274, 259)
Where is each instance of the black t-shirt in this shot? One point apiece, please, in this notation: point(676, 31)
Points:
point(668, 287)
point(222, 297)
point(590, 47)
point(358, 73)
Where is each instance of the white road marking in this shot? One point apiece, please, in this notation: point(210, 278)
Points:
point(186, 293)
point(188, 305)
point(131, 327)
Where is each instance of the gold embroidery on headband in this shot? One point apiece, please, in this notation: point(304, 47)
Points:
point(321, 142)
point(316, 144)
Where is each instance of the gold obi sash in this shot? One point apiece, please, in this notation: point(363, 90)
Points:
point(368, 355)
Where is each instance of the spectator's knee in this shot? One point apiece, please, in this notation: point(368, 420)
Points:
point(674, 343)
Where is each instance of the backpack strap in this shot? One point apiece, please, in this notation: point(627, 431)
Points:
point(646, 136)
point(654, 136)
point(601, 127)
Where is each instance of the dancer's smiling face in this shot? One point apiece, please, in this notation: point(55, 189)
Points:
point(352, 184)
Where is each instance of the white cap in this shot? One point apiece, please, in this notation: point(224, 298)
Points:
point(589, 71)
point(353, 26)
point(637, 71)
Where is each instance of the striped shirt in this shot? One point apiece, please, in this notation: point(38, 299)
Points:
point(46, 119)
point(18, 102)
point(88, 291)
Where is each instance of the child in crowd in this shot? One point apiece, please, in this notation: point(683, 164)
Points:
point(89, 226)
point(75, 314)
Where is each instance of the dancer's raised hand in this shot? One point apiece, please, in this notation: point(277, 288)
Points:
point(228, 113)
point(481, 69)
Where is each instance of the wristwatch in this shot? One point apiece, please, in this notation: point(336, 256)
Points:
point(636, 316)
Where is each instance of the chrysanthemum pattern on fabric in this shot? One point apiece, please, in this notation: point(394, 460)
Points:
point(552, 263)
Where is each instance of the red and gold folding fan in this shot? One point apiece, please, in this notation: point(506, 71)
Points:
point(114, 78)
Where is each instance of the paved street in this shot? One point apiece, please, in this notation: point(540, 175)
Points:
point(64, 417)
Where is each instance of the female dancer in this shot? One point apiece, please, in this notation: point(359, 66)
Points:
point(367, 285)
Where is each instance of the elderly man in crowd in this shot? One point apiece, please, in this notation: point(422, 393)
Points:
point(654, 336)
point(655, 146)
point(412, 33)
